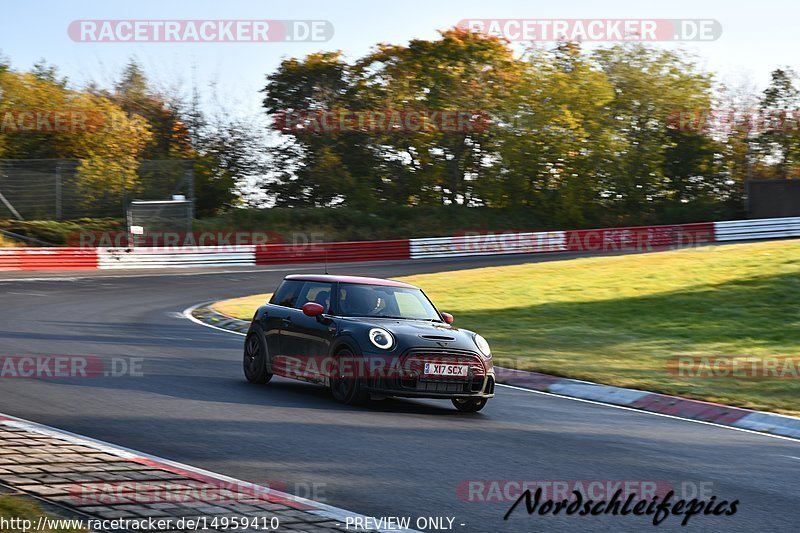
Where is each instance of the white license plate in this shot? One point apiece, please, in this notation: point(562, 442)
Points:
point(437, 369)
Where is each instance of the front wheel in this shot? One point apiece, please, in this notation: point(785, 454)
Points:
point(469, 405)
point(255, 358)
point(346, 387)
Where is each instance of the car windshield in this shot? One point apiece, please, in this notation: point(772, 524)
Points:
point(386, 302)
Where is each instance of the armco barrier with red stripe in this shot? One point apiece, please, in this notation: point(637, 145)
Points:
point(641, 238)
point(48, 259)
point(333, 252)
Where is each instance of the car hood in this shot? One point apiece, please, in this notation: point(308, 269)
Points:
point(422, 333)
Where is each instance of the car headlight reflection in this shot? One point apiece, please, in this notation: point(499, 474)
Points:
point(381, 338)
point(483, 346)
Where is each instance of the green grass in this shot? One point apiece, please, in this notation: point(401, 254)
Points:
point(63, 232)
point(242, 308)
point(618, 320)
point(5, 242)
point(24, 509)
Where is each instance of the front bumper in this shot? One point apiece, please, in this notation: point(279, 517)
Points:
point(411, 382)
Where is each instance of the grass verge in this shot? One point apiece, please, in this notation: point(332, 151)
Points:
point(22, 509)
point(242, 308)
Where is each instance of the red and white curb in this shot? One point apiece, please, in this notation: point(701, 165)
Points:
point(759, 422)
point(651, 402)
point(290, 500)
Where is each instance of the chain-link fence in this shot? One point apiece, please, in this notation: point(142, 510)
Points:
point(167, 215)
point(65, 189)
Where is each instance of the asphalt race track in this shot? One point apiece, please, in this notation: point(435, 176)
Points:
point(391, 458)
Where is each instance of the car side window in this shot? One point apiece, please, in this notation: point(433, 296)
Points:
point(287, 293)
point(314, 291)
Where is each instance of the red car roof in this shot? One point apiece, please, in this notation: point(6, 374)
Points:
point(330, 278)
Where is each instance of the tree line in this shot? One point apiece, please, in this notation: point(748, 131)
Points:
point(623, 134)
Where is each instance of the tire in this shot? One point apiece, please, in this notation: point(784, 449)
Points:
point(347, 390)
point(254, 360)
point(469, 405)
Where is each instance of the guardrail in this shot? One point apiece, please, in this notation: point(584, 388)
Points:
point(760, 228)
point(195, 256)
point(640, 238)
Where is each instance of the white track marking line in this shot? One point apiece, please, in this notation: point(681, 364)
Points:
point(27, 293)
point(54, 278)
point(188, 314)
point(319, 509)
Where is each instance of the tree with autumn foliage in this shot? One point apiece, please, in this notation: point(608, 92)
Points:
point(109, 144)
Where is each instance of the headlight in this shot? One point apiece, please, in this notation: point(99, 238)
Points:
point(381, 338)
point(483, 346)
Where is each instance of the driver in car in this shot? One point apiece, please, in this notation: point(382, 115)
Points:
point(362, 301)
point(324, 299)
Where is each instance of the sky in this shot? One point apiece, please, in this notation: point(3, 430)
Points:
point(756, 37)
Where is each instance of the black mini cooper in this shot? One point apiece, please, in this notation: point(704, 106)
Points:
point(367, 337)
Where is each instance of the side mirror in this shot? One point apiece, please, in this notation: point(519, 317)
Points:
point(448, 318)
point(313, 309)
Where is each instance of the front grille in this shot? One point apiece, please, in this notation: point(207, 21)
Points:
point(414, 378)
